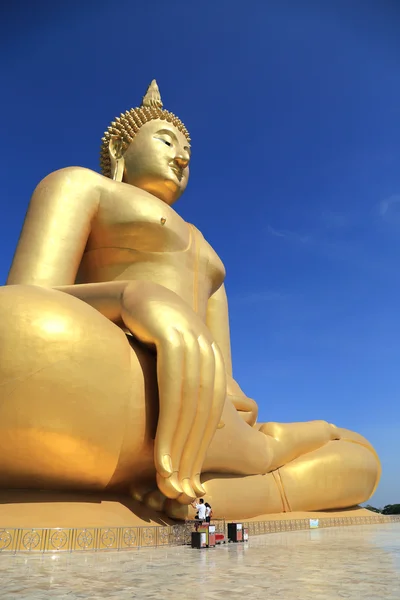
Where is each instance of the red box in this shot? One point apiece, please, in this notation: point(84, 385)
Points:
point(212, 540)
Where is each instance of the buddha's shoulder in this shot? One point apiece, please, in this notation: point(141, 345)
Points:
point(79, 176)
point(90, 181)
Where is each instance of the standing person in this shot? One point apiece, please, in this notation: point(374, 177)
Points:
point(208, 512)
point(201, 510)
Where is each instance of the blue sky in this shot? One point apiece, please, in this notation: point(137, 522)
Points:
point(294, 113)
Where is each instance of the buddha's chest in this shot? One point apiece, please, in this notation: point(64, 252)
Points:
point(138, 221)
point(136, 235)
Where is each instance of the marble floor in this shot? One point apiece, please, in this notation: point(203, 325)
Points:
point(361, 562)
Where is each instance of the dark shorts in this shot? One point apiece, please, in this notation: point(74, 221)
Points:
point(197, 523)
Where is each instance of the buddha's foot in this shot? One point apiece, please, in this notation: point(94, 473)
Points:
point(288, 441)
point(139, 491)
point(152, 496)
point(149, 495)
point(155, 500)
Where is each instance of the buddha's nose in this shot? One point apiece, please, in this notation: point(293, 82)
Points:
point(181, 161)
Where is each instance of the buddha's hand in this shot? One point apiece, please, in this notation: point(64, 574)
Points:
point(191, 384)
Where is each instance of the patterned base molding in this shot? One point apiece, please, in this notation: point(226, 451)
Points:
point(127, 538)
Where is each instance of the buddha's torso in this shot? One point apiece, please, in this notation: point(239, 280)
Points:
point(136, 236)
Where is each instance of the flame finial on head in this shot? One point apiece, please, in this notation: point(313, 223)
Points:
point(126, 126)
point(152, 97)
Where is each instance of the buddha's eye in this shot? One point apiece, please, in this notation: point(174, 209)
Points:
point(166, 142)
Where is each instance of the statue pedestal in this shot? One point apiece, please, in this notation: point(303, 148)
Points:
point(34, 521)
point(345, 513)
point(44, 509)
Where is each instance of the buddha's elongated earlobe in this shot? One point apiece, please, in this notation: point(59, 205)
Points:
point(118, 169)
point(116, 159)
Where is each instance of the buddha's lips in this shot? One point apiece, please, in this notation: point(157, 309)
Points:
point(177, 170)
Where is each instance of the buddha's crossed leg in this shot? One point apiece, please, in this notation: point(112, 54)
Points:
point(340, 474)
point(239, 450)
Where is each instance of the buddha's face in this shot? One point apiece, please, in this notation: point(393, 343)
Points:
point(157, 160)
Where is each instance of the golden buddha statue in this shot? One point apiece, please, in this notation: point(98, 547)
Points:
point(115, 365)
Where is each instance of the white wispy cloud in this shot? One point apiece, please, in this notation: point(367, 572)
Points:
point(289, 235)
point(335, 220)
point(256, 297)
point(389, 208)
point(354, 251)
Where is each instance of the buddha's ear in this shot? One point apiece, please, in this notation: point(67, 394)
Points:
point(116, 158)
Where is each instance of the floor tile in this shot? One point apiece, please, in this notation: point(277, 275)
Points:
point(323, 564)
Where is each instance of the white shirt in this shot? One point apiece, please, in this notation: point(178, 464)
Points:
point(208, 511)
point(201, 508)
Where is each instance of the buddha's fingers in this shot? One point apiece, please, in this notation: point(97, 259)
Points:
point(204, 409)
point(190, 378)
point(213, 420)
point(170, 364)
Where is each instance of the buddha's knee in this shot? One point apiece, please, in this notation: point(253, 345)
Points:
point(351, 436)
point(48, 335)
point(71, 386)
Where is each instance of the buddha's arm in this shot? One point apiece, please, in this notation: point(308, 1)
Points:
point(218, 324)
point(56, 229)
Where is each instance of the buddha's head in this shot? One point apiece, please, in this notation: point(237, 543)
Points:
point(148, 147)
